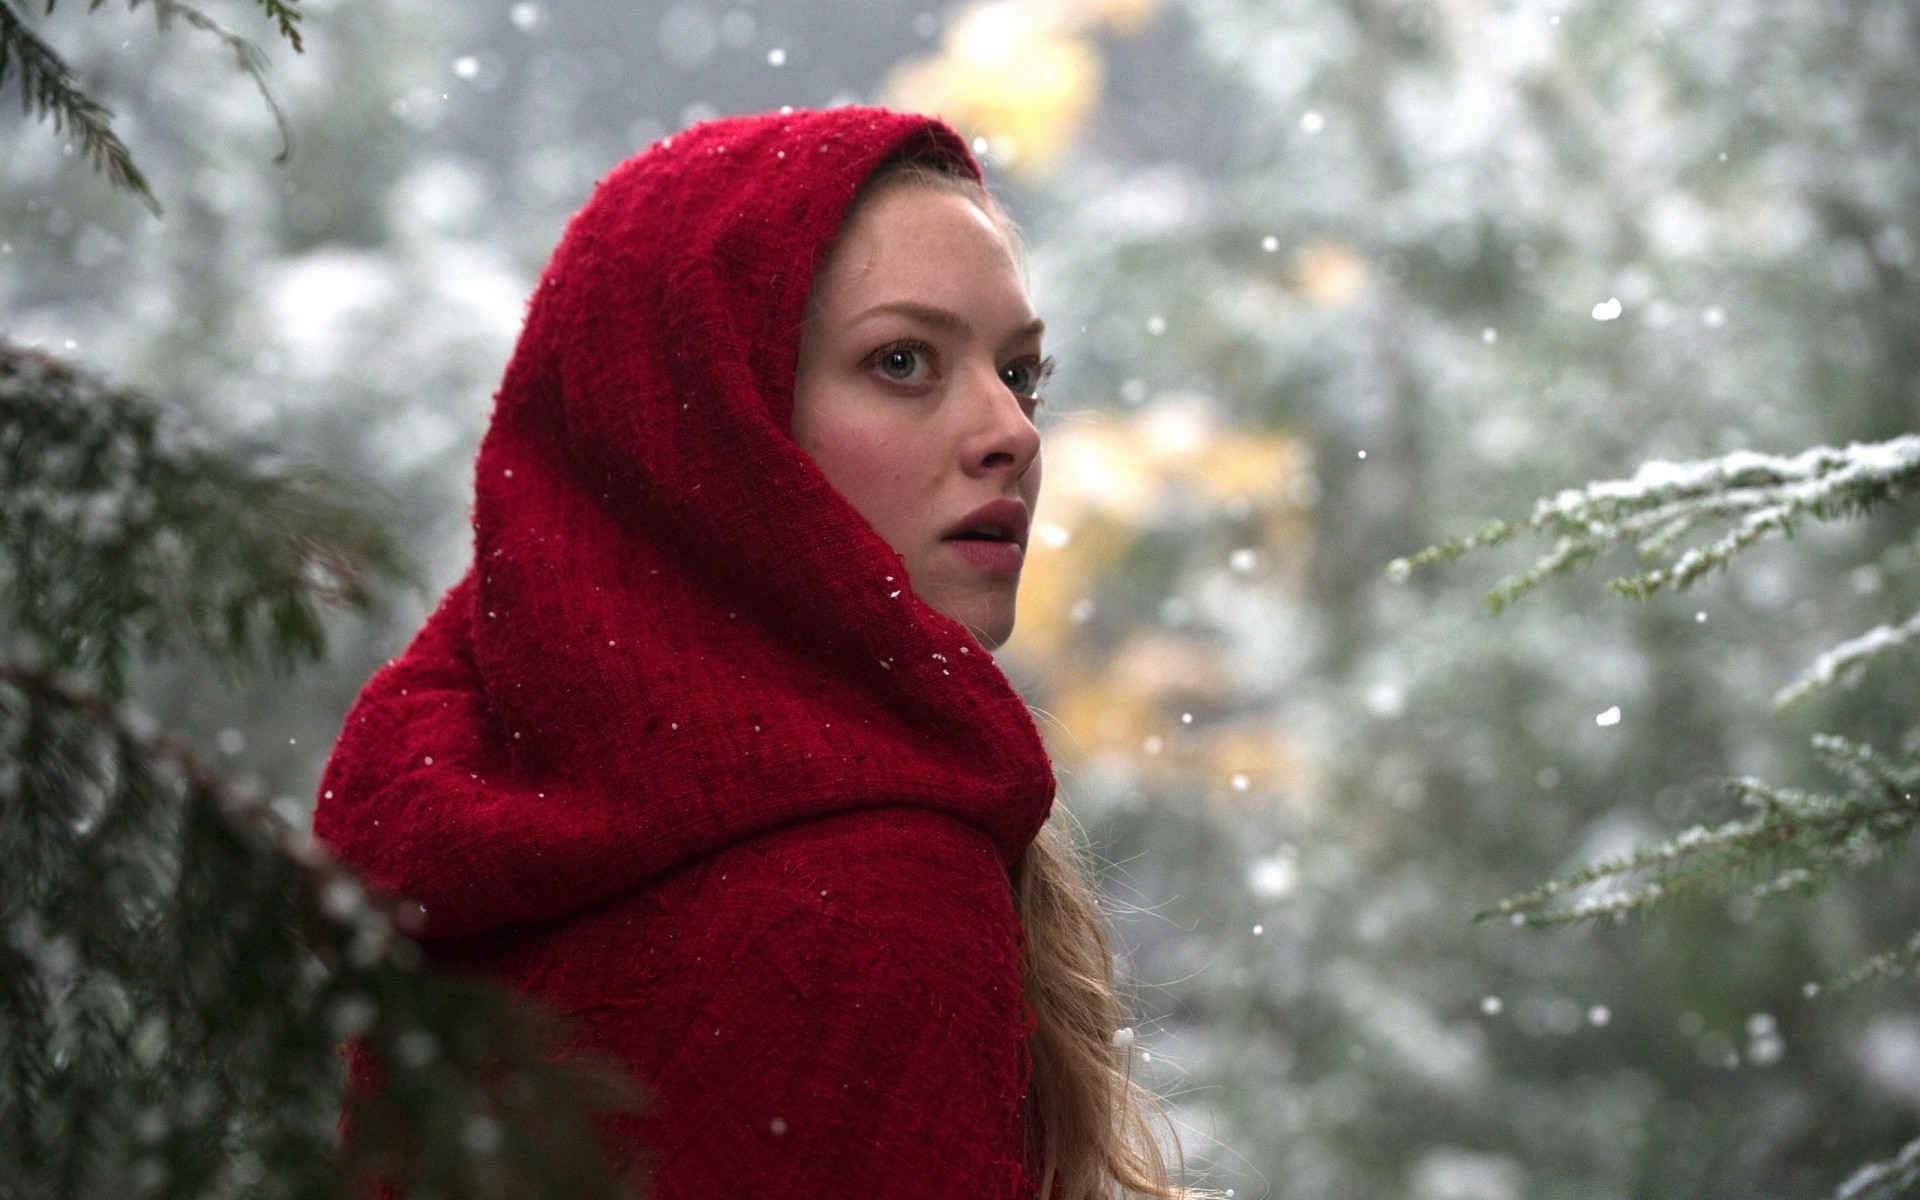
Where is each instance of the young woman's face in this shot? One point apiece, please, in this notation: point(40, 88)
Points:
point(919, 372)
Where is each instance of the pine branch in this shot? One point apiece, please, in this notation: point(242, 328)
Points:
point(165, 1032)
point(285, 14)
point(1756, 495)
point(1886, 965)
point(48, 90)
point(1794, 841)
point(122, 534)
point(1848, 659)
point(246, 56)
point(1889, 1180)
point(166, 1029)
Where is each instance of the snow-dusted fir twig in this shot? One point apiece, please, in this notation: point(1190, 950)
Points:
point(1747, 496)
point(1791, 841)
point(1844, 660)
point(167, 1031)
point(125, 533)
point(1897, 1176)
point(168, 1019)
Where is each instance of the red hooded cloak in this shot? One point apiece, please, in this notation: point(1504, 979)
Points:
point(682, 754)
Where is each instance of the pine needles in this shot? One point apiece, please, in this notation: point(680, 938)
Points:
point(1755, 495)
point(1889, 1180)
point(1790, 841)
point(122, 533)
point(1848, 659)
point(165, 1032)
point(1793, 841)
point(48, 89)
point(247, 57)
point(178, 961)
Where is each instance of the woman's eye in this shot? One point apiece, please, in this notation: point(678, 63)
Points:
point(1024, 378)
point(902, 364)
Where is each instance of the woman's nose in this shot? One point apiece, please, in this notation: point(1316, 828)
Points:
point(1000, 436)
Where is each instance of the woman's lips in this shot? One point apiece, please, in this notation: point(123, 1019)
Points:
point(1002, 557)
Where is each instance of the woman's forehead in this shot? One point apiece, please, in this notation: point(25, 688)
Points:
point(919, 243)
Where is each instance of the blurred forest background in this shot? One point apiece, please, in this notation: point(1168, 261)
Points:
point(1329, 280)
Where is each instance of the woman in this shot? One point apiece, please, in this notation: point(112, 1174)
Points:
point(707, 750)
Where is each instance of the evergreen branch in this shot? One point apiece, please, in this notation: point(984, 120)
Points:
point(246, 56)
point(1889, 1180)
point(1493, 533)
point(1697, 856)
point(48, 90)
point(1848, 658)
point(1695, 562)
point(1884, 965)
point(1799, 839)
point(158, 1001)
point(44, 686)
point(1760, 495)
point(123, 534)
point(285, 14)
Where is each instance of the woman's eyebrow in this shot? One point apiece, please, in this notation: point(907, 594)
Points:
point(940, 318)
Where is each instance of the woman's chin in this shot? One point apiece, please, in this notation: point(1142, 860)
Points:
point(988, 618)
point(993, 638)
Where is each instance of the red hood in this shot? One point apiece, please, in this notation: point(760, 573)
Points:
point(675, 634)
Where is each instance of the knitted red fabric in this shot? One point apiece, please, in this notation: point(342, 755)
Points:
point(683, 754)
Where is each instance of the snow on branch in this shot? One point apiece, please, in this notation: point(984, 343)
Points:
point(1793, 841)
point(123, 533)
point(1749, 496)
point(178, 959)
point(1846, 659)
point(1895, 1177)
point(181, 961)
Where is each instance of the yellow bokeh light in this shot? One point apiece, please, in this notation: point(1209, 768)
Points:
point(1023, 74)
point(1119, 16)
point(1123, 692)
point(1055, 578)
point(1330, 273)
point(1006, 74)
point(1249, 763)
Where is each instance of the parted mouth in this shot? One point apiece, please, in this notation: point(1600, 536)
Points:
point(998, 521)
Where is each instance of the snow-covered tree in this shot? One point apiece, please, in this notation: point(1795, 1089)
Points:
point(169, 1022)
point(1788, 840)
point(178, 961)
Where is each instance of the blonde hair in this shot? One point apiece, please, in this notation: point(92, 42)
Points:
point(1090, 1126)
